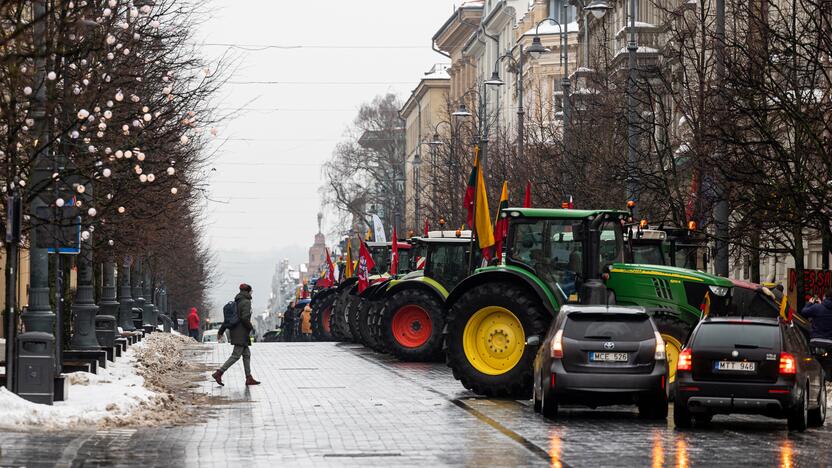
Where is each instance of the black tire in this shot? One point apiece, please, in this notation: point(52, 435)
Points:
point(431, 349)
point(682, 418)
point(352, 317)
point(799, 414)
point(653, 407)
point(817, 417)
point(374, 324)
point(515, 382)
point(339, 328)
point(549, 405)
point(363, 324)
point(322, 331)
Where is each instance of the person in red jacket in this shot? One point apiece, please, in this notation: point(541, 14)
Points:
point(193, 324)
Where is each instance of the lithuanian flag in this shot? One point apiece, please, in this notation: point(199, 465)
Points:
point(501, 223)
point(483, 218)
point(471, 187)
point(349, 268)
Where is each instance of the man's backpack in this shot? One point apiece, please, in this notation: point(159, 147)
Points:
point(230, 317)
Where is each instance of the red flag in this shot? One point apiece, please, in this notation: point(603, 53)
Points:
point(471, 188)
point(426, 227)
point(365, 264)
point(394, 259)
point(527, 201)
point(330, 270)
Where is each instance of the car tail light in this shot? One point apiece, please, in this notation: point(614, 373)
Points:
point(685, 362)
point(661, 354)
point(557, 345)
point(787, 364)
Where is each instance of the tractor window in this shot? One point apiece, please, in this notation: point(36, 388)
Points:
point(564, 260)
point(527, 245)
point(448, 264)
point(648, 254)
point(611, 247)
point(404, 260)
point(381, 257)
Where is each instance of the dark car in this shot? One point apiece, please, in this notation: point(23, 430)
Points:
point(599, 355)
point(755, 365)
point(271, 336)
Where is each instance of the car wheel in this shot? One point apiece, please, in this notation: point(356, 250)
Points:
point(654, 407)
point(818, 416)
point(681, 416)
point(549, 405)
point(798, 415)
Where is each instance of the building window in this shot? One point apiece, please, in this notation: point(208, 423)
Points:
point(556, 11)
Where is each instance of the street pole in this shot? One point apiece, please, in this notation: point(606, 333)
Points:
point(39, 316)
point(417, 162)
point(13, 225)
point(125, 299)
point(632, 137)
point(108, 306)
point(565, 83)
point(520, 110)
point(138, 299)
point(721, 207)
point(148, 318)
point(84, 309)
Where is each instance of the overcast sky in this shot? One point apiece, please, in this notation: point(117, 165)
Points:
point(269, 170)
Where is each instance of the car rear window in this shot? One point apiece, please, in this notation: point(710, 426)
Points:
point(734, 335)
point(595, 327)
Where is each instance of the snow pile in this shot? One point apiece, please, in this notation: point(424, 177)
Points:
point(142, 388)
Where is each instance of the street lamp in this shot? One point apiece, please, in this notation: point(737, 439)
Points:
point(598, 8)
point(495, 77)
point(462, 111)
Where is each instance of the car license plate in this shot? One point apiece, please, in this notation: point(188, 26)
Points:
point(609, 357)
point(742, 366)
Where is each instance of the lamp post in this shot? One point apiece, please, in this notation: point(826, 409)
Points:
point(496, 81)
point(149, 310)
point(417, 163)
point(598, 8)
point(125, 298)
point(434, 144)
point(83, 307)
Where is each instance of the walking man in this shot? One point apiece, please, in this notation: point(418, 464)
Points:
point(239, 337)
point(193, 324)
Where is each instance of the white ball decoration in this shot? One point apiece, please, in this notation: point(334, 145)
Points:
point(83, 114)
point(107, 12)
point(111, 56)
point(119, 96)
point(91, 149)
point(102, 126)
point(137, 169)
point(126, 52)
point(107, 172)
point(111, 242)
point(108, 114)
point(59, 202)
point(147, 117)
point(184, 139)
point(111, 39)
point(74, 134)
point(121, 209)
point(166, 90)
point(85, 235)
point(109, 104)
point(80, 188)
point(119, 154)
point(155, 24)
point(150, 177)
point(173, 190)
point(128, 154)
point(145, 9)
point(143, 178)
point(27, 90)
point(112, 3)
point(140, 156)
point(125, 128)
point(52, 76)
point(171, 171)
point(92, 212)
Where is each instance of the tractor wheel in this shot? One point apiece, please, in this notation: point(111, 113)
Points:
point(486, 337)
point(412, 324)
point(674, 333)
point(321, 316)
point(362, 323)
point(339, 311)
point(373, 321)
point(352, 317)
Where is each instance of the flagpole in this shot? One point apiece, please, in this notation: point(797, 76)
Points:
point(473, 227)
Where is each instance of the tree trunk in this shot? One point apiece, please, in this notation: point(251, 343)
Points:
point(799, 266)
point(754, 256)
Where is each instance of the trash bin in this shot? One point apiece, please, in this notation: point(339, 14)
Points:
point(36, 367)
point(105, 330)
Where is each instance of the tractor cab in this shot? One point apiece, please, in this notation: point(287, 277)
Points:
point(565, 248)
point(381, 252)
point(646, 246)
point(448, 256)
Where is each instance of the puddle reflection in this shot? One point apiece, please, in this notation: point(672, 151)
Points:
point(682, 453)
point(786, 454)
point(658, 449)
point(555, 442)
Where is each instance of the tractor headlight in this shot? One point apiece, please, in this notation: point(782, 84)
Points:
point(719, 290)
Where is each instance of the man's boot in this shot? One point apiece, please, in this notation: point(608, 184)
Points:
point(217, 375)
point(250, 381)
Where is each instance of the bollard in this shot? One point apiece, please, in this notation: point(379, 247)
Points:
point(36, 367)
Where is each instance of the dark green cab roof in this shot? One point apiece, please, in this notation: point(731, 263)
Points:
point(560, 213)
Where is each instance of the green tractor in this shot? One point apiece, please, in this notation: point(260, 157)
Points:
point(499, 315)
point(665, 246)
point(408, 316)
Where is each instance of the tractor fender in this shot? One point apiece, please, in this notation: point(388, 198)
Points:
point(321, 295)
point(347, 283)
point(511, 275)
point(422, 283)
point(373, 290)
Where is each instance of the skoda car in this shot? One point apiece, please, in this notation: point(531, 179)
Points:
point(602, 355)
point(754, 365)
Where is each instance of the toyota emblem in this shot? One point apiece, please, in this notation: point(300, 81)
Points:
point(609, 345)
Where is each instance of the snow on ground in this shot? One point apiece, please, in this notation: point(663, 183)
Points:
point(117, 396)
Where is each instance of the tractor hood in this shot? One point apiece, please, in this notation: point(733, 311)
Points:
point(671, 273)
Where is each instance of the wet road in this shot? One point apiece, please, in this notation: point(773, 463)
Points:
point(326, 404)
